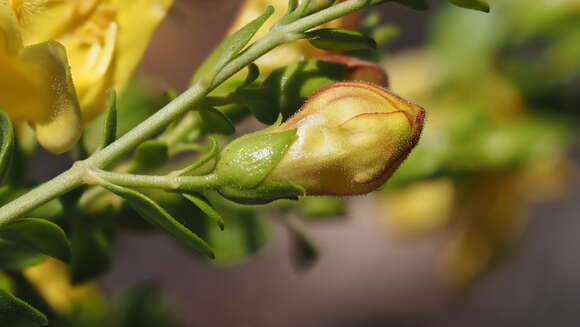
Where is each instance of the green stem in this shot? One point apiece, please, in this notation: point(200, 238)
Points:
point(75, 176)
point(168, 183)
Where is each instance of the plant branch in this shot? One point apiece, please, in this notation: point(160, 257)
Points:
point(103, 158)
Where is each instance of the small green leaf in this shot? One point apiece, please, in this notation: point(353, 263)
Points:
point(232, 46)
point(91, 249)
point(151, 154)
point(40, 235)
point(285, 89)
point(245, 235)
point(206, 208)
point(145, 306)
point(253, 74)
point(340, 40)
point(480, 5)
point(215, 122)
point(156, 215)
point(110, 126)
point(292, 5)
point(414, 4)
point(16, 313)
point(213, 152)
point(6, 143)
point(305, 252)
point(15, 256)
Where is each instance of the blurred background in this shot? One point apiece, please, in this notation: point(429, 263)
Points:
point(478, 228)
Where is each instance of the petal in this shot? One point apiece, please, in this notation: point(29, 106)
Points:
point(138, 20)
point(61, 129)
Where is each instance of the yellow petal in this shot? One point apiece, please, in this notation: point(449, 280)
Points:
point(61, 129)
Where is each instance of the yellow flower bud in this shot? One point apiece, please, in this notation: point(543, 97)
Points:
point(351, 137)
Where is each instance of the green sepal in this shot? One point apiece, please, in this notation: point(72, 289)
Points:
point(334, 39)
point(110, 124)
point(6, 143)
point(14, 312)
point(156, 215)
point(215, 122)
point(265, 192)
point(414, 4)
point(39, 235)
point(247, 160)
point(480, 5)
point(232, 46)
point(206, 208)
point(151, 154)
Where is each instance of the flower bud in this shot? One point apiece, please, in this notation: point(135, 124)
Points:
point(351, 137)
point(347, 139)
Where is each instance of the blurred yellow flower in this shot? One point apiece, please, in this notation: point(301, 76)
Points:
point(287, 53)
point(351, 137)
point(36, 86)
point(51, 278)
point(104, 39)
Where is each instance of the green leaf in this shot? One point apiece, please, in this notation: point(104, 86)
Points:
point(232, 46)
point(334, 39)
point(38, 234)
point(245, 235)
point(206, 208)
point(304, 250)
point(16, 313)
point(110, 125)
point(253, 74)
point(214, 121)
point(156, 215)
point(292, 5)
point(480, 5)
point(15, 256)
point(91, 249)
point(213, 152)
point(285, 89)
point(414, 4)
point(151, 154)
point(6, 143)
point(145, 306)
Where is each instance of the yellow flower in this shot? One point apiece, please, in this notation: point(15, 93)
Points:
point(36, 86)
point(351, 137)
point(287, 53)
point(104, 39)
point(52, 280)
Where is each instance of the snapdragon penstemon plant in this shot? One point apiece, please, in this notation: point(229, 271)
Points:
point(348, 137)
